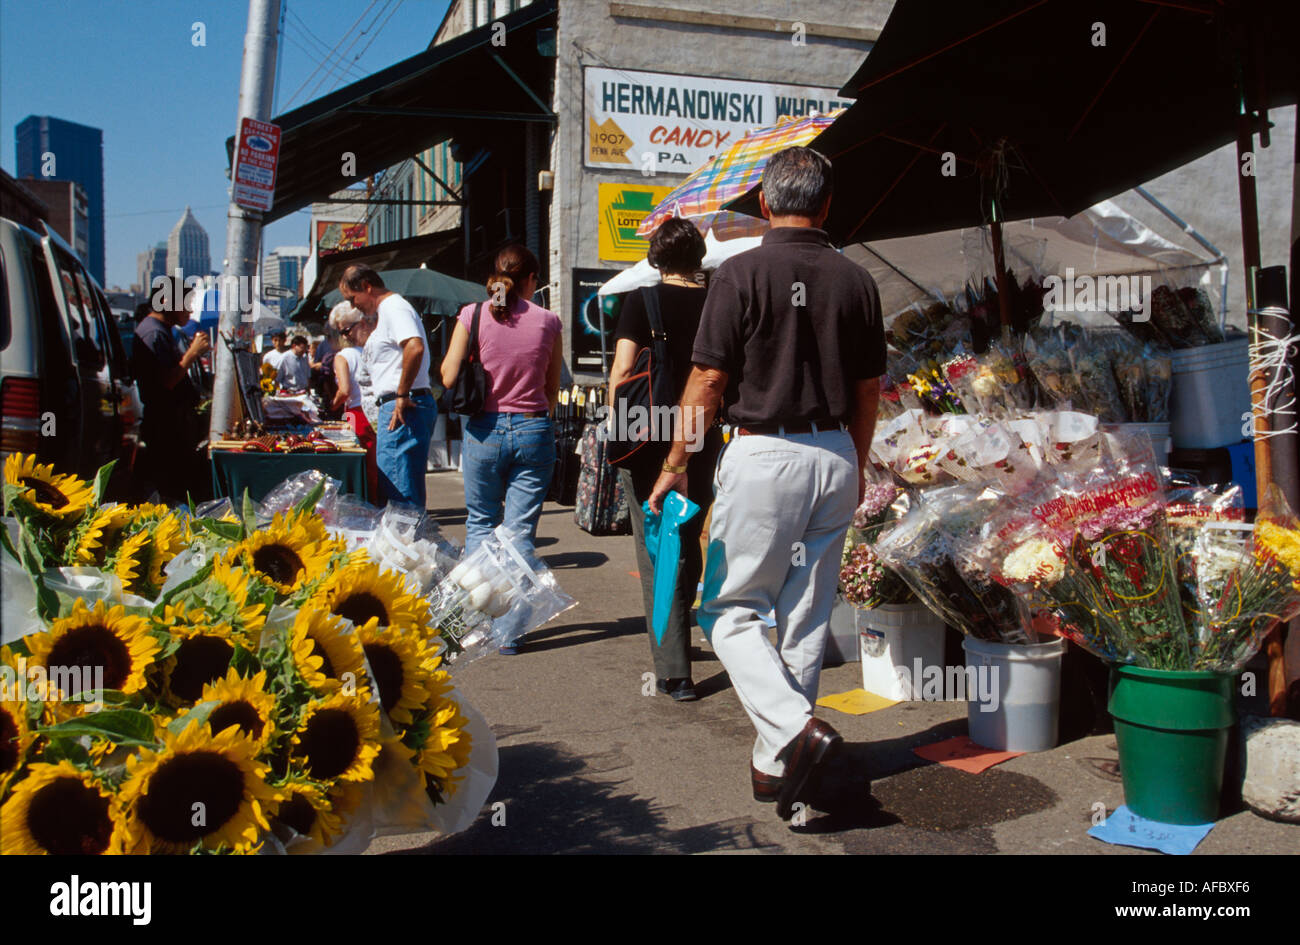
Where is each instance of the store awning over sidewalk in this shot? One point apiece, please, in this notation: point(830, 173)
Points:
point(399, 254)
point(457, 89)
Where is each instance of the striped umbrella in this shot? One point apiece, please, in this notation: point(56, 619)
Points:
point(700, 197)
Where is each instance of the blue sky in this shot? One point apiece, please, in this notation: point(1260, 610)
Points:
point(167, 106)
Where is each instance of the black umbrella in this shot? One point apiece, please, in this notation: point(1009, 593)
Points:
point(1011, 109)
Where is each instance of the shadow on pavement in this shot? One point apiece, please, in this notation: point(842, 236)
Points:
point(575, 559)
point(553, 638)
point(551, 807)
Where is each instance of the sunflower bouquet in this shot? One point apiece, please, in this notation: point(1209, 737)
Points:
point(281, 692)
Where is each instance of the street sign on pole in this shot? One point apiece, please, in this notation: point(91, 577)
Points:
point(278, 292)
point(255, 160)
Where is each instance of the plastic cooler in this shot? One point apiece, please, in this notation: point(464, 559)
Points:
point(892, 637)
point(1210, 394)
point(842, 642)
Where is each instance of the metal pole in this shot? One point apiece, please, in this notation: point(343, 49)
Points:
point(244, 227)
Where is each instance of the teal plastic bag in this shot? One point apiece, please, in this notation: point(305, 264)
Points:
point(663, 540)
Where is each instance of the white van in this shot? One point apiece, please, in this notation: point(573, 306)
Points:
point(65, 392)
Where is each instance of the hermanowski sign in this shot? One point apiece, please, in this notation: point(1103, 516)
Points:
point(674, 123)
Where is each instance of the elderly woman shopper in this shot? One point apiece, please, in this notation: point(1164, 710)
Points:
point(676, 250)
point(353, 380)
point(509, 447)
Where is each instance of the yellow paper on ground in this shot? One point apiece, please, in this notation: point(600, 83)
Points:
point(856, 702)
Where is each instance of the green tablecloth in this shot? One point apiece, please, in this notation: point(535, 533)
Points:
point(259, 473)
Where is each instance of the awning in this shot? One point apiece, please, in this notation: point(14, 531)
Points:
point(457, 89)
point(399, 254)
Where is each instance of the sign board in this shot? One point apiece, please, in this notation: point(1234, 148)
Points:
point(673, 124)
point(335, 236)
point(255, 160)
point(622, 207)
point(584, 330)
point(278, 292)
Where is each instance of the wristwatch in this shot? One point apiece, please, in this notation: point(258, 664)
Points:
point(675, 470)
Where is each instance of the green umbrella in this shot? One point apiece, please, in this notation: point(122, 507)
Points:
point(431, 292)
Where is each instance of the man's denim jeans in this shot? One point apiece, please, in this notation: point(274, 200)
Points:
point(403, 454)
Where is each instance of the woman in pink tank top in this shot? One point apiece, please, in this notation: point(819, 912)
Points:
point(508, 450)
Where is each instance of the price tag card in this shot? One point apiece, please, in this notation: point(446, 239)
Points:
point(1127, 829)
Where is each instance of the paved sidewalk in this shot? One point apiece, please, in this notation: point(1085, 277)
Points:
point(589, 764)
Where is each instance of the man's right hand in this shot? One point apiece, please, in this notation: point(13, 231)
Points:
point(199, 346)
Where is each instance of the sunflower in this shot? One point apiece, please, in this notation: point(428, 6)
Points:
point(242, 702)
point(59, 497)
point(58, 809)
point(87, 642)
point(283, 555)
point(202, 657)
point(314, 810)
point(400, 667)
point(223, 598)
point(442, 745)
point(199, 789)
point(326, 650)
point(15, 737)
point(129, 560)
point(360, 592)
point(100, 531)
point(338, 737)
point(169, 538)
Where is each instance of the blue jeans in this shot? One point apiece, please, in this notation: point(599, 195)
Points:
point(403, 454)
point(508, 463)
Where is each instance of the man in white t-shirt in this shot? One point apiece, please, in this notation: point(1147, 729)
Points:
point(276, 354)
point(397, 358)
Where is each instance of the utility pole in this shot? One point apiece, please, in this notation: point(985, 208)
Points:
point(244, 226)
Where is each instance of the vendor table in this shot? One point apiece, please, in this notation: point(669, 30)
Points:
point(234, 471)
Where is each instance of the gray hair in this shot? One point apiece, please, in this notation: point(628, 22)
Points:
point(345, 315)
point(797, 182)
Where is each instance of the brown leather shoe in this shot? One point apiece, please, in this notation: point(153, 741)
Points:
point(808, 752)
point(767, 787)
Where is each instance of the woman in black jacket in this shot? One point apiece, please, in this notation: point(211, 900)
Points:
point(676, 250)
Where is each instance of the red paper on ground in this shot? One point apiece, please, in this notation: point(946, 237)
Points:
point(963, 754)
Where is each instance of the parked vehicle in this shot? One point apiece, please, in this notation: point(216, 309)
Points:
point(65, 390)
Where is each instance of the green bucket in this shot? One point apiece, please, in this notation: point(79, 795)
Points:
point(1172, 728)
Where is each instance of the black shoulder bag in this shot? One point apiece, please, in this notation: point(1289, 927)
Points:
point(639, 414)
point(469, 393)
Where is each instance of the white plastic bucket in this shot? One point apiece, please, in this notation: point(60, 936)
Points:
point(842, 642)
point(1160, 438)
point(1210, 394)
point(1014, 702)
point(892, 638)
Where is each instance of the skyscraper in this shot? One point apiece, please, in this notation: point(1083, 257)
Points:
point(187, 247)
point(53, 149)
point(152, 262)
point(283, 267)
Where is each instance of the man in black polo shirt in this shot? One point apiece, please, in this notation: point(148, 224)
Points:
point(170, 426)
point(792, 340)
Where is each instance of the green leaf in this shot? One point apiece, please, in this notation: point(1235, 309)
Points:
point(7, 543)
point(198, 714)
point(101, 480)
point(309, 501)
point(121, 726)
point(229, 531)
point(250, 516)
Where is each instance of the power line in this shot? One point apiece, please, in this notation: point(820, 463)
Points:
point(357, 39)
point(318, 48)
point(321, 65)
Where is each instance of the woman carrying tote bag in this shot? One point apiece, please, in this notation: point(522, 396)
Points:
point(508, 451)
point(676, 250)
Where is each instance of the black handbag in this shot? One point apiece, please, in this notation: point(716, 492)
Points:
point(468, 395)
point(640, 402)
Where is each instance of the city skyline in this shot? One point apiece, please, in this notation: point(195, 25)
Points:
point(173, 153)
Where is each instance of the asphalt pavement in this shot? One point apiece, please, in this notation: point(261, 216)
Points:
point(591, 763)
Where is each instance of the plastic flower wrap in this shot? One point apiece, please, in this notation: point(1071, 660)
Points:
point(1263, 588)
point(920, 547)
point(1115, 584)
point(1092, 366)
point(1185, 316)
point(865, 581)
point(1210, 541)
point(1048, 357)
